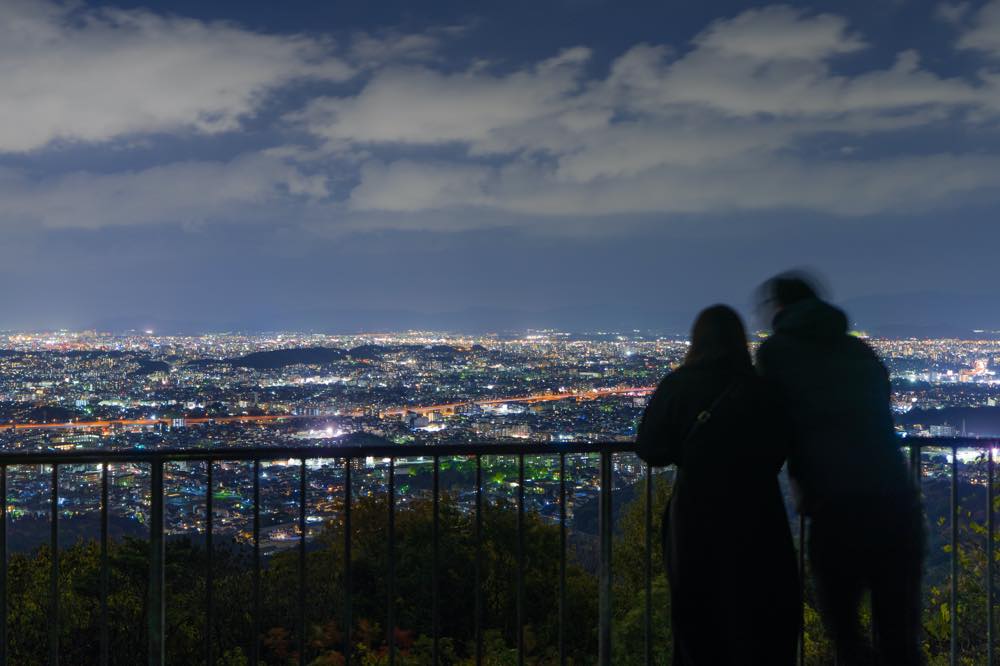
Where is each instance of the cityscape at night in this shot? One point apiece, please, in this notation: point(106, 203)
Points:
point(522, 333)
point(66, 391)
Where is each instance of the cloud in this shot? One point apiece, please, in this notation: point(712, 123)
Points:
point(778, 85)
point(85, 74)
point(842, 187)
point(984, 33)
point(406, 186)
point(953, 12)
point(185, 193)
point(372, 50)
point(419, 105)
point(780, 32)
point(755, 112)
point(731, 123)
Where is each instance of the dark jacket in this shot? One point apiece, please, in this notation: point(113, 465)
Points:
point(727, 544)
point(836, 393)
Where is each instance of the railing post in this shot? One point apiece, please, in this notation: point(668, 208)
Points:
point(989, 556)
point(953, 657)
point(255, 648)
point(479, 560)
point(391, 582)
point(53, 619)
point(3, 565)
point(519, 583)
point(802, 590)
point(562, 559)
point(156, 612)
point(302, 564)
point(105, 639)
point(348, 623)
point(648, 610)
point(435, 580)
point(209, 573)
point(606, 528)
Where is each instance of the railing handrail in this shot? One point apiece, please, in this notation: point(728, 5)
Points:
point(310, 452)
point(85, 456)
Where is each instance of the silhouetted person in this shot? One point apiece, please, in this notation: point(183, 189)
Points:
point(726, 541)
point(866, 525)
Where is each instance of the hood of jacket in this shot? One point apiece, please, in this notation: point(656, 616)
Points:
point(811, 319)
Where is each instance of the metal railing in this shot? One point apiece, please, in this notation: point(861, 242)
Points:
point(156, 611)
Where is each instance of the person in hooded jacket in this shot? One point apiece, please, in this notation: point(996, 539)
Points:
point(847, 468)
point(726, 540)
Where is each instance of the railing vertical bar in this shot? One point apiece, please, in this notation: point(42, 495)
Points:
point(391, 586)
point(435, 581)
point(520, 560)
point(802, 589)
point(604, 591)
point(53, 619)
point(479, 561)
point(255, 648)
point(348, 646)
point(3, 565)
point(302, 563)
point(105, 641)
point(562, 559)
point(989, 556)
point(648, 611)
point(157, 615)
point(953, 657)
point(209, 580)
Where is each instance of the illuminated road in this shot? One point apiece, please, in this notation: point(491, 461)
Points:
point(451, 407)
point(143, 422)
point(592, 394)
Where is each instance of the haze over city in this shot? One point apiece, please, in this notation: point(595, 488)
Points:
point(194, 167)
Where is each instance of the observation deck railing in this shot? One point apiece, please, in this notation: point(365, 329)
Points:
point(156, 611)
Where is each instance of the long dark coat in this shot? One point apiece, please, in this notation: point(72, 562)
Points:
point(726, 539)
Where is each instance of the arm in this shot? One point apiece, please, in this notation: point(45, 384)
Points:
point(653, 438)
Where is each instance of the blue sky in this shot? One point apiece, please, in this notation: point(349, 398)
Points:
point(579, 163)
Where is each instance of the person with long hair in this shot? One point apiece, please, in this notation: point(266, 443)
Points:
point(726, 540)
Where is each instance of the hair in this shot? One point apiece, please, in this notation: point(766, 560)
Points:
point(784, 290)
point(718, 334)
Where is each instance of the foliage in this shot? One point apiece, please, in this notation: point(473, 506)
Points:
point(233, 631)
point(232, 626)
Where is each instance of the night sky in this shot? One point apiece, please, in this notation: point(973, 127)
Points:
point(336, 166)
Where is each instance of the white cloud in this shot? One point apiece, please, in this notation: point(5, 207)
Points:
point(842, 187)
point(780, 32)
point(725, 125)
point(406, 186)
point(422, 106)
point(81, 74)
point(984, 35)
point(780, 86)
point(187, 193)
point(754, 113)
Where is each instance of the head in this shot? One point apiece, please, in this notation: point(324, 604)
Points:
point(718, 334)
point(784, 290)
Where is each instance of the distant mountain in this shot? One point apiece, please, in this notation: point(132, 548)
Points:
point(917, 314)
point(927, 315)
point(279, 358)
point(369, 352)
point(147, 367)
